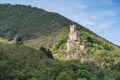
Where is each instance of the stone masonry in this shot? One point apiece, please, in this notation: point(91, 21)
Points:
point(73, 36)
point(74, 39)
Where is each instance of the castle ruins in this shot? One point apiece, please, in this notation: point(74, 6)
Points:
point(74, 39)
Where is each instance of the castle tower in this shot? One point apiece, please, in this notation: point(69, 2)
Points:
point(73, 37)
point(72, 28)
point(73, 34)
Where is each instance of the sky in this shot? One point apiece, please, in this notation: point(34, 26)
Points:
point(100, 16)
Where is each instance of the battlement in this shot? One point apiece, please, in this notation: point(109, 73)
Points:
point(72, 28)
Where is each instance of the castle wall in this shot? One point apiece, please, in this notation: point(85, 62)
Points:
point(70, 44)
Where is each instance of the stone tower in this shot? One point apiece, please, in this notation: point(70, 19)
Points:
point(73, 36)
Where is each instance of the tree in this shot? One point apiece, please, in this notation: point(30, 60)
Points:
point(47, 52)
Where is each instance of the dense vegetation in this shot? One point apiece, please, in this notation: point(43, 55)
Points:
point(39, 35)
point(18, 62)
point(27, 22)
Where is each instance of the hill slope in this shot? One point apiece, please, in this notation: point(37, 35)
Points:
point(34, 28)
point(18, 62)
point(27, 22)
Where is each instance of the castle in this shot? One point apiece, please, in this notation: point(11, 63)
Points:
point(74, 39)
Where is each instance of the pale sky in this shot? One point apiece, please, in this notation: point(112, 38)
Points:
point(100, 16)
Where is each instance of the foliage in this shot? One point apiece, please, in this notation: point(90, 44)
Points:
point(61, 41)
point(18, 62)
point(35, 28)
point(46, 52)
point(64, 76)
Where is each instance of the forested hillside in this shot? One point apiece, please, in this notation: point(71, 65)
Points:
point(27, 22)
point(18, 62)
point(39, 51)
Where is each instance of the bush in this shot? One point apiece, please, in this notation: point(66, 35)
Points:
point(62, 40)
point(108, 47)
point(64, 76)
